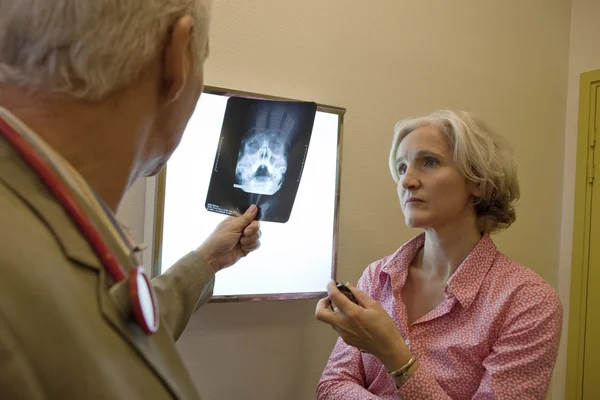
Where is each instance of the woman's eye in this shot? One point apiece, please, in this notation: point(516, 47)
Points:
point(402, 169)
point(431, 162)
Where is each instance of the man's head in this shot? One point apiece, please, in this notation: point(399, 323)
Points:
point(94, 50)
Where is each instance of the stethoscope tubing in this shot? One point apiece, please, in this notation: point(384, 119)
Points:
point(54, 184)
point(137, 279)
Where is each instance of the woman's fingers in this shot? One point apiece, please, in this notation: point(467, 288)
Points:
point(363, 298)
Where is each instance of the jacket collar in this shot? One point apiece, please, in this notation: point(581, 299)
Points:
point(16, 175)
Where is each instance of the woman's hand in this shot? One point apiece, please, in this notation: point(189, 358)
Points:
point(366, 326)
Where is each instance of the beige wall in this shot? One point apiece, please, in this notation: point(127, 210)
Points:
point(504, 60)
point(584, 55)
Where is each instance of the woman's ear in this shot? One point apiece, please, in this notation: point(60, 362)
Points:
point(474, 189)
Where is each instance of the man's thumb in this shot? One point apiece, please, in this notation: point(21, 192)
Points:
point(246, 218)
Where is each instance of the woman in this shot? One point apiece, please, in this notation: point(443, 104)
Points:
point(447, 316)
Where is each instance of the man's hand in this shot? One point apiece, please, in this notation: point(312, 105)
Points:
point(232, 239)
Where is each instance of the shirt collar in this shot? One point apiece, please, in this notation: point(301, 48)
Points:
point(399, 262)
point(464, 284)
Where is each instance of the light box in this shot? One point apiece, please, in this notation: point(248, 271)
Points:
point(296, 258)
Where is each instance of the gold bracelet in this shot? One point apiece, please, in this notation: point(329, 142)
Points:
point(402, 371)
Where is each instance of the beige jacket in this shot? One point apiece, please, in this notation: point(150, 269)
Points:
point(64, 333)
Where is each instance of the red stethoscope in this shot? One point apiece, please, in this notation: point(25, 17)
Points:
point(143, 299)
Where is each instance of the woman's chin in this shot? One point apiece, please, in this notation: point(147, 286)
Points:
point(414, 222)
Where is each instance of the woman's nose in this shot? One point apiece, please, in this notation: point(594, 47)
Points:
point(410, 180)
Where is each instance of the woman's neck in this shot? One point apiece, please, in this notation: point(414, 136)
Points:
point(446, 248)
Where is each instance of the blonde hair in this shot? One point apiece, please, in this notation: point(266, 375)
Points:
point(483, 157)
point(88, 48)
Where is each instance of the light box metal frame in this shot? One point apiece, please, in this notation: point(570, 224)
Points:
point(160, 205)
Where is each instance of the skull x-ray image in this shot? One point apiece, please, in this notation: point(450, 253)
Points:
point(260, 157)
point(263, 157)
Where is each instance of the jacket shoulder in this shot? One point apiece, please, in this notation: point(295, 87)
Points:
point(24, 237)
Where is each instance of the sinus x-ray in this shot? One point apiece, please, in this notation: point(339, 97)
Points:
point(260, 157)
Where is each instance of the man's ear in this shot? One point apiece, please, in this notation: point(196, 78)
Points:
point(177, 58)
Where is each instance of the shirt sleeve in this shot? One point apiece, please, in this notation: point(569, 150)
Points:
point(421, 385)
point(182, 289)
point(522, 359)
point(344, 375)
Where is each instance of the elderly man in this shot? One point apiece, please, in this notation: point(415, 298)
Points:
point(94, 95)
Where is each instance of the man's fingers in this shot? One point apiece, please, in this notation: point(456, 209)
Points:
point(246, 241)
point(251, 247)
point(252, 229)
point(246, 218)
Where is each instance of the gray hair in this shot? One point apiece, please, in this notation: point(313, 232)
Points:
point(483, 157)
point(88, 48)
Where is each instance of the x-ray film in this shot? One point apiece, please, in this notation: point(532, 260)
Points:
point(260, 157)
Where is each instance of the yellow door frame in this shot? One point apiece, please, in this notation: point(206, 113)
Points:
point(586, 142)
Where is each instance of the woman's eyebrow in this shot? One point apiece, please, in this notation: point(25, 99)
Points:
point(421, 154)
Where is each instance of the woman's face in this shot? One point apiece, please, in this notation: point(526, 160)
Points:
point(432, 191)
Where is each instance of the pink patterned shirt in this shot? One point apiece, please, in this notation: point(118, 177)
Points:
point(495, 336)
